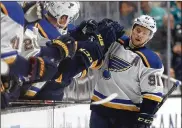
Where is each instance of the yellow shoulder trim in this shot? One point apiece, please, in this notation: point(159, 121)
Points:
point(4, 9)
point(144, 58)
point(41, 30)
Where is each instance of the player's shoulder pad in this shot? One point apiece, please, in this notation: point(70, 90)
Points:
point(124, 40)
point(13, 10)
point(149, 58)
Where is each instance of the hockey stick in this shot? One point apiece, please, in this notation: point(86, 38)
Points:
point(48, 102)
point(175, 85)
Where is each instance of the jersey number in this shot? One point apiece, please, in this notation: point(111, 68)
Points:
point(153, 80)
point(15, 42)
point(27, 44)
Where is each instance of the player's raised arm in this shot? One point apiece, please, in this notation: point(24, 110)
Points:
point(90, 51)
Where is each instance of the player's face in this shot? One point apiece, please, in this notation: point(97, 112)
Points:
point(140, 35)
point(63, 21)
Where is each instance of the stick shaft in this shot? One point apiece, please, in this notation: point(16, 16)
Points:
point(175, 85)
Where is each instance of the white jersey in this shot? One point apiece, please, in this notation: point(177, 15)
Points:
point(11, 37)
point(32, 41)
point(133, 74)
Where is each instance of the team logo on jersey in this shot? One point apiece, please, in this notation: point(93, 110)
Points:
point(106, 74)
point(117, 64)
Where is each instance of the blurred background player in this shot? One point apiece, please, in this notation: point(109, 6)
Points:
point(133, 71)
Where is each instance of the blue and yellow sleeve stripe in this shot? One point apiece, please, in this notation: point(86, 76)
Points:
point(9, 57)
point(32, 91)
point(153, 96)
point(116, 103)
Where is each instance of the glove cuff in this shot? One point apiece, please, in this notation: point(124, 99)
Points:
point(62, 46)
point(144, 118)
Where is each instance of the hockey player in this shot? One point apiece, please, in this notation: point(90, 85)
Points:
point(133, 71)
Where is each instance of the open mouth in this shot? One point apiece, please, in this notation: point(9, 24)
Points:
point(137, 39)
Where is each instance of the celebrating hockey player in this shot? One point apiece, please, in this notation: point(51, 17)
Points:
point(133, 72)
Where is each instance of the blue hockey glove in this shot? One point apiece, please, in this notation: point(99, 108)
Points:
point(84, 30)
point(88, 27)
point(119, 29)
point(41, 69)
point(66, 45)
point(110, 31)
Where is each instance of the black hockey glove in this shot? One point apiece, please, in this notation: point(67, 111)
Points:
point(66, 45)
point(144, 120)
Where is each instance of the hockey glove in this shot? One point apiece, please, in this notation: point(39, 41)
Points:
point(110, 31)
point(41, 69)
point(119, 29)
point(10, 89)
point(33, 12)
point(144, 120)
point(88, 27)
point(66, 45)
point(84, 30)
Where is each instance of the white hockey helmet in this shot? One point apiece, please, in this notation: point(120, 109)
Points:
point(58, 9)
point(147, 22)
